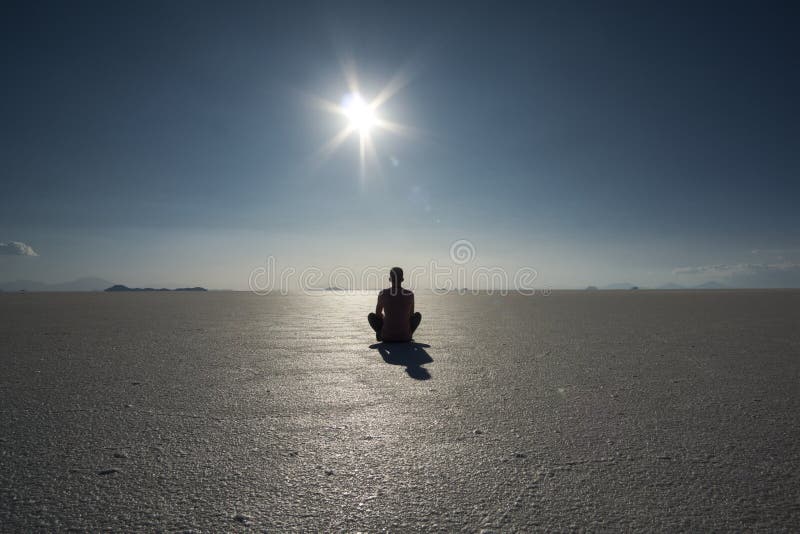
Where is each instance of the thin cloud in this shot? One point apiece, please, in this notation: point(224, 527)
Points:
point(782, 274)
point(737, 268)
point(717, 270)
point(16, 248)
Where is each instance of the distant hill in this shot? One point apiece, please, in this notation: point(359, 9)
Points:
point(122, 288)
point(81, 284)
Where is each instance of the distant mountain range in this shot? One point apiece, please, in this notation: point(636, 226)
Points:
point(119, 287)
point(81, 284)
point(99, 284)
point(624, 285)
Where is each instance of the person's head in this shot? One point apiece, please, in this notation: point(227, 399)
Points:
point(396, 276)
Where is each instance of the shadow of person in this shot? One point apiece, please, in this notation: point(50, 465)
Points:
point(412, 355)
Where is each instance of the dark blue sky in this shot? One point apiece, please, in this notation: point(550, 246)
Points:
point(597, 142)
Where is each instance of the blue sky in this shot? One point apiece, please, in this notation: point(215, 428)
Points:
point(174, 143)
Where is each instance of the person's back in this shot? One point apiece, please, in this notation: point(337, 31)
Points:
point(394, 318)
point(398, 307)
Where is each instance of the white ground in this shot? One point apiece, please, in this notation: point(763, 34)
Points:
point(224, 411)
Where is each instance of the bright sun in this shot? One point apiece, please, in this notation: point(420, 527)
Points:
point(359, 113)
point(362, 119)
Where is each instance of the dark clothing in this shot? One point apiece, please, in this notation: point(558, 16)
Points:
point(376, 323)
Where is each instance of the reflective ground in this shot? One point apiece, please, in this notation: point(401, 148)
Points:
point(225, 411)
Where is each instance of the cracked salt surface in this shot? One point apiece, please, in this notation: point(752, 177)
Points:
point(224, 411)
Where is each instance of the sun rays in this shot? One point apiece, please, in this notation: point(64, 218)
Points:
point(362, 117)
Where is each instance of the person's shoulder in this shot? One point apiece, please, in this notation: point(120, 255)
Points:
point(408, 292)
point(383, 292)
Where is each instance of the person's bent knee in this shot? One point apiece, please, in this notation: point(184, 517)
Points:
point(374, 321)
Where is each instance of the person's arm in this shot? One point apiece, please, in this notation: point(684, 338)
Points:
point(412, 304)
point(379, 306)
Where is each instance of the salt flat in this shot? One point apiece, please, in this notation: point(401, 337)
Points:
point(224, 411)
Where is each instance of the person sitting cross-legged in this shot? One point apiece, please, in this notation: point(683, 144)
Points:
point(394, 318)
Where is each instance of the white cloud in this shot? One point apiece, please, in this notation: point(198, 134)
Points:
point(16, 248)
point(782, 274)
point(716, 270)
point(737, 268)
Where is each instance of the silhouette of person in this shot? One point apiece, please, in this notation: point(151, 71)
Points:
point(394, 318)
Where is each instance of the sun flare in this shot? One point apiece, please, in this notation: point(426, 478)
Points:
point(361, 119)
